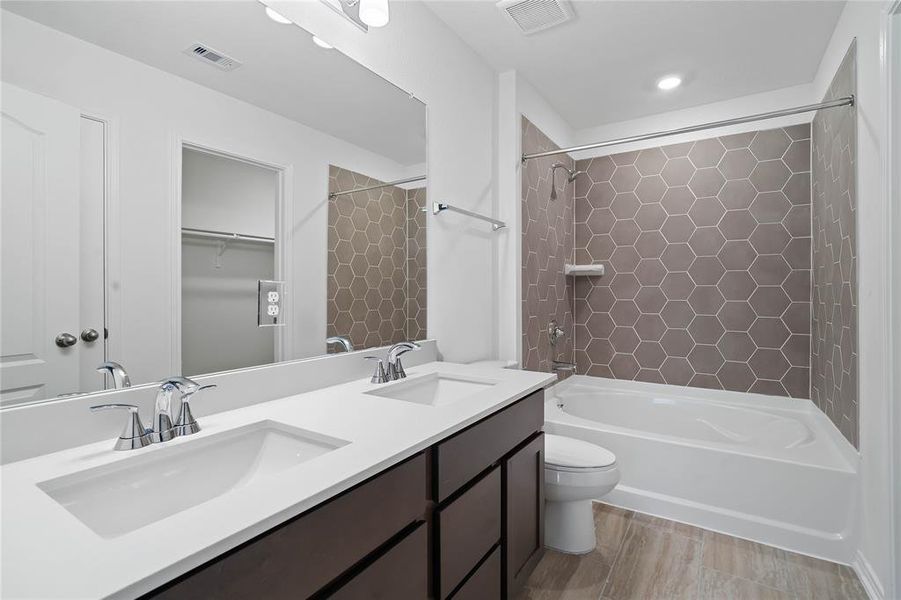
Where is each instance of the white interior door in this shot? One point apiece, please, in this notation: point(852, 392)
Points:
point(39, 235)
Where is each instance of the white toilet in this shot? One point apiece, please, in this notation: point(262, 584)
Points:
point(575, 473)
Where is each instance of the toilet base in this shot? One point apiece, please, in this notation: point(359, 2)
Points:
point(569, 527)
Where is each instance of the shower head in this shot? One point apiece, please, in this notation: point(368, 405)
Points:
point(571, 175)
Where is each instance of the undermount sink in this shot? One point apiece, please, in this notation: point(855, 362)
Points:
point(434, 389)
point(119, 498)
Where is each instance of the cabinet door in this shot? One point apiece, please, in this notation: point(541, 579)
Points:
point(524, 518)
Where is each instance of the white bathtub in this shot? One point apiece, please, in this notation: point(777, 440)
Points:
point(770, 469)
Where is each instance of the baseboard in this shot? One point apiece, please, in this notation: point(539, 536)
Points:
point(868, 578)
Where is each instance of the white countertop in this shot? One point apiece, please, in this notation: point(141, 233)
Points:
point(48, 553)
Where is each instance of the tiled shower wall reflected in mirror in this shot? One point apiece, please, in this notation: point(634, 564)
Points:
point(376, 262)
point(834, 343)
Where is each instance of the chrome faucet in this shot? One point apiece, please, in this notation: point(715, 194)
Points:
point(161, 429)
point(395, 368)
point(342, 341)
point(135, 435)
point(117, 372)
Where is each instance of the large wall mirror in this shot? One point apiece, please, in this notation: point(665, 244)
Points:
point(192, 187)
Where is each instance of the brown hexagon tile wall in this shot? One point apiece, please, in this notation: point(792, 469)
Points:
point(547, 244)
point(376, 262)
point(834, 318)
point(707, 249)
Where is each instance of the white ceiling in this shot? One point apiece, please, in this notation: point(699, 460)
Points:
point(603, 66)
point(283, 71)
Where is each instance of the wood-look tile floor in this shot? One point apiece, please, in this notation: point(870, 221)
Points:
point(639, 557)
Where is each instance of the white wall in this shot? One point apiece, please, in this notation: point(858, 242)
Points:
point(516, 99)
point(150, 111)
point(743, 106)
point(893, 158)
point(420, 54)
point(864, 21)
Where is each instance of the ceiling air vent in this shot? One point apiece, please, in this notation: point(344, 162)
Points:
point(532, 16)
point(212, 57)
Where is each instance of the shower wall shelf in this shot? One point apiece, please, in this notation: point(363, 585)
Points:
point(438, 207)
point(584, 270)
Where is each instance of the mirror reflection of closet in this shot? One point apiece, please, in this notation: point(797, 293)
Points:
point(228, 247)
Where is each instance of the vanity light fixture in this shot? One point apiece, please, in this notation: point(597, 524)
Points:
point(321, 43)
point(670, 82)
point(374, 12)
point(277, 17)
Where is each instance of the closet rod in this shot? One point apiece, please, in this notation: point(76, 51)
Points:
point(845, 101)
point(380, 185)
point(224, 235)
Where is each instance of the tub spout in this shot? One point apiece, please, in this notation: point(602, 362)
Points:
point(559, 365)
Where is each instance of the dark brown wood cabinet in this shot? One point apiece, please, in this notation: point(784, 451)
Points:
point(402, 572)
point(463, 519)
point(485, 582)
point(466, 530)
point(524, 512)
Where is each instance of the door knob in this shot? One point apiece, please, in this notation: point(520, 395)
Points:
point(90, 335)
point(64, 340)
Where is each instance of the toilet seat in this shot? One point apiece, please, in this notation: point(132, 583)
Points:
point(570, 455)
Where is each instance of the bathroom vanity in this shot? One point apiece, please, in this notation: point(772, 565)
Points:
point(461, 519)
point(428, 487)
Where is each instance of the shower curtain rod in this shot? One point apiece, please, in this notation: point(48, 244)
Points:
point(845, 101)
point(375, 187)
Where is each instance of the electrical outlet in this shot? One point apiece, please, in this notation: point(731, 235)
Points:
point(270, 295)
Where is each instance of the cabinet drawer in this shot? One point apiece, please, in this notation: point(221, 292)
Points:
point(467, 528)
point(297, 558)
point(468, 453)
point(485, 583)
point(402, 572)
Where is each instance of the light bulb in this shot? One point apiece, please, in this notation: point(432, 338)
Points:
point(277, 17)
point(374, 12)
point(669, 82)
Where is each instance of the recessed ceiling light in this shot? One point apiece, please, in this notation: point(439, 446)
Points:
point(277, 17)
point(669, 82)
point(321, 43)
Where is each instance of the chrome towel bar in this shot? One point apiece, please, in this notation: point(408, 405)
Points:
point(438, 207)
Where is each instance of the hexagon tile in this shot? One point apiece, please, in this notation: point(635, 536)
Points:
point(834, 342)
point(547, 244)
point(707, 248)
point(376, 262)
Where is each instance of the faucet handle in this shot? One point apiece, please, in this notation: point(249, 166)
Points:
point(379, 375)
point(395, 367)
point(186, 424)
point(183, 384)
point(134, 435)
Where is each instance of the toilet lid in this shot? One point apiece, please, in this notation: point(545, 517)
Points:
point(561, 451)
